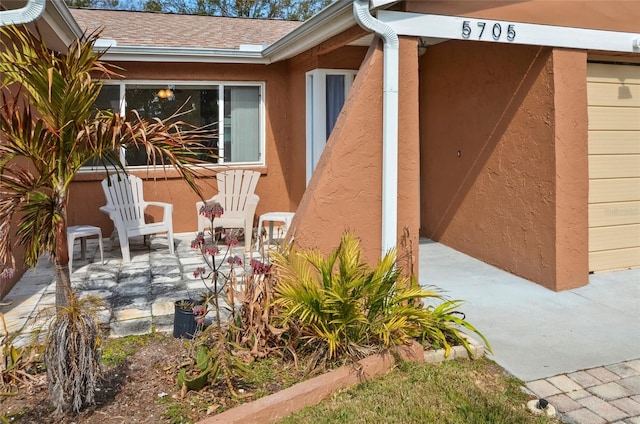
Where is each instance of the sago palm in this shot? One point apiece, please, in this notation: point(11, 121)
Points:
point(50, 131)
point(344, 305)
point(341, 302)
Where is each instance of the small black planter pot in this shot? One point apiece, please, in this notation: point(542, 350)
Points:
point(184, 322)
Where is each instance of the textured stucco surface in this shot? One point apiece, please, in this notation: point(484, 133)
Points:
point(504, 157)
point(488, 172)
point(345, 190)
point(572, 171)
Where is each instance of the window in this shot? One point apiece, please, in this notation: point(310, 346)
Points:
point(234, 111)
point(326, 93)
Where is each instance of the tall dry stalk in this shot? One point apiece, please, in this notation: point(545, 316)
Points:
point(72, 357)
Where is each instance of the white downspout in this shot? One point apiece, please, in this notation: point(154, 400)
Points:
point(389, 121)
point(30, 12)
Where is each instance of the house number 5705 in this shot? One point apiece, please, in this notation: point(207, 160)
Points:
point(497, 30)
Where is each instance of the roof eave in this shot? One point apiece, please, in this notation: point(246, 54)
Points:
point(334, 19)
point(180, 54)
point(58, 17)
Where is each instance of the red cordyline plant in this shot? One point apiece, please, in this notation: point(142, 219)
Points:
point(246, 334)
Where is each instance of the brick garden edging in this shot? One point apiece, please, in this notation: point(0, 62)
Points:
point(310, 392)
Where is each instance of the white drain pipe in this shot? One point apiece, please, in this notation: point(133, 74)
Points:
point(389, 120)
point(28, 13)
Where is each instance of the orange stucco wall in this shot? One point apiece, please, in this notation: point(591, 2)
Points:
point(613, 15)
point(504, 157)
point(345, 189)
point(572, 168)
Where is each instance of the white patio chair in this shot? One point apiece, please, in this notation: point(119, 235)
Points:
point(236, 195)
point(126, 205)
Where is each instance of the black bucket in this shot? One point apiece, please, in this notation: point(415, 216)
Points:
point(184, 323)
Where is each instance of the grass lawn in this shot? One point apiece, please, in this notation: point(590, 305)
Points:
point(464, 392)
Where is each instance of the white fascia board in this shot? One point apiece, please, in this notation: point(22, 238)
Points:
point(454, 27)
point(332, 20)
point(180, 54)
point(59, 19)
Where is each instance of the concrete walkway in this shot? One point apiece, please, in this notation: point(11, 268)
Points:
point(580, 348)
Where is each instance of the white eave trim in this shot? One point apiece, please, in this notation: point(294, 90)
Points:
point(332, 20)
point(59, 18)
point(451, 27)
point(180, 54)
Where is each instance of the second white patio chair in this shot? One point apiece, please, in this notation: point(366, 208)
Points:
point(126, 205)
point(236, 195)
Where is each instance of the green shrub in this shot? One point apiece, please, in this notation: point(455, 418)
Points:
point(342, 305)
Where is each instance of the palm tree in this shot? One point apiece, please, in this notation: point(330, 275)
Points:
point(50, 132)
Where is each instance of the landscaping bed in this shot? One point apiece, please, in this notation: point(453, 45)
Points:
point(139, 386)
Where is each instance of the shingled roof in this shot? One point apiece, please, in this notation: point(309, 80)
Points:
point(171, 30)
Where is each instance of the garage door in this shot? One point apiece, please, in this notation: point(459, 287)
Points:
point(614, 166)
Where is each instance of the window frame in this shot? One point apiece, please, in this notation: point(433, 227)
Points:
point(220, 85)
point(316, 111)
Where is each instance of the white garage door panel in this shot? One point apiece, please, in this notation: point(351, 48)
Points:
point(605, 214)
point(618, 237)
point(614, 190)
point(614, 166)
point(612, 118)
point(611, 73)
point(614, 259)
point(616, 95)
point(614, 142)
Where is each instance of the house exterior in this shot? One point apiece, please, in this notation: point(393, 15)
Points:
point(508, 130)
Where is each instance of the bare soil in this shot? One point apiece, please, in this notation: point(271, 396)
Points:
point(140, 389)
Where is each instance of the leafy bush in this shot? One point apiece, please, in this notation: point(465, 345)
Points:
point(18, 363)
point(341, 304)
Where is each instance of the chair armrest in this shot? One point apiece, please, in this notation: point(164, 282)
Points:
point(168, 209)
point(160, 204)
point(252, 205)
point(107, 209)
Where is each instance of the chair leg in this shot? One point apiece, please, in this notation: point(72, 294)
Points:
point(170, 240)
point(248, 236)
point(124, 247)
point(70, 241)
point(101, 250)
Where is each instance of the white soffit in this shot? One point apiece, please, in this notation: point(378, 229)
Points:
point(497, 31)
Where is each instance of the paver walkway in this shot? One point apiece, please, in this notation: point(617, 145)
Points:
point(137, 297)
point(607, 394)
